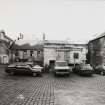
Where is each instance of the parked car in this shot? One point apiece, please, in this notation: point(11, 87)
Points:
point(37, 69)
point(84, 69)
point(61, 68)
point(29, 63)
point(22, 68)
point(100, 69)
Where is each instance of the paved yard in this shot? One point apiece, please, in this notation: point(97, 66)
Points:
point(50, 90)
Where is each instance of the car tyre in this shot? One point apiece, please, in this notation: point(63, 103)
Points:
point(40, 74)
point(102, 73)
point(68, 75)
point(12, 73)
point(34, 74)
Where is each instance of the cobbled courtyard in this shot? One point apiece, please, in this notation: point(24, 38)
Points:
point(50, 90)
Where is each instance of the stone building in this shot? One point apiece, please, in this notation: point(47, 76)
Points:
point(27, 52)
point(5, 42)
point(78, 53)
point(63, 51)
point(96, 49)
point(55, 50)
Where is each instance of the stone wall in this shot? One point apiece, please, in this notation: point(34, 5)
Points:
point(97, 51)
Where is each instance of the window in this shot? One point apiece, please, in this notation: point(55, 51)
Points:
point(31, 53)
point(38, 52)
point(76, 55)
point(25, 52)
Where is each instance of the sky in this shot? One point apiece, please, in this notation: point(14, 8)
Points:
point(75, 21)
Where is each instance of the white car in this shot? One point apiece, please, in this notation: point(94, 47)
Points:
point(86, 69)
point(62, 68)
point(37, 70)
point(100, 69)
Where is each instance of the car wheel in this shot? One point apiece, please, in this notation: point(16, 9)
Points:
point(12, 73)
point(68, 75)
point(102, 73)
point(39, 74)
point(34, 74)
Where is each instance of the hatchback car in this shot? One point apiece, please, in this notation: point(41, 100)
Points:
point(84, 69)
point(100, 69)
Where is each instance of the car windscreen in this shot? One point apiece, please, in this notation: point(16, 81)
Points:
point(24, 66)
point(61, 64)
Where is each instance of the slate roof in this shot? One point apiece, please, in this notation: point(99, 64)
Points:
point(62, 42)
point(98, 37)
point(27, 46)
point(55, 42)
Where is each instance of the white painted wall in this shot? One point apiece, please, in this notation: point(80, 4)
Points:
point(4, 58)
point(72, 60)
point(49, 54)
point(21, 54)
point(52, 54)
point(64, 52)
point(2, 36)
point(60, 56)
point(35, 54)
point(82, 56)
point(28, 53)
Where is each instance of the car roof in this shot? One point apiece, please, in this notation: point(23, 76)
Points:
point(20, 63)
point(60, 61)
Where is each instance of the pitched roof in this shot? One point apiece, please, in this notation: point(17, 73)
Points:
point(62, 42)
point(2, 31)
point(55, 42)
point(98, 37)
point(8, 38)
point(27, 46)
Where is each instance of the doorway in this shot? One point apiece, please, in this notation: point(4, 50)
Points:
point(51, 64)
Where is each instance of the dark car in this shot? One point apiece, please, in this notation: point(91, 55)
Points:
point(100, 69)
point(84, 69)
point(21, 68)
